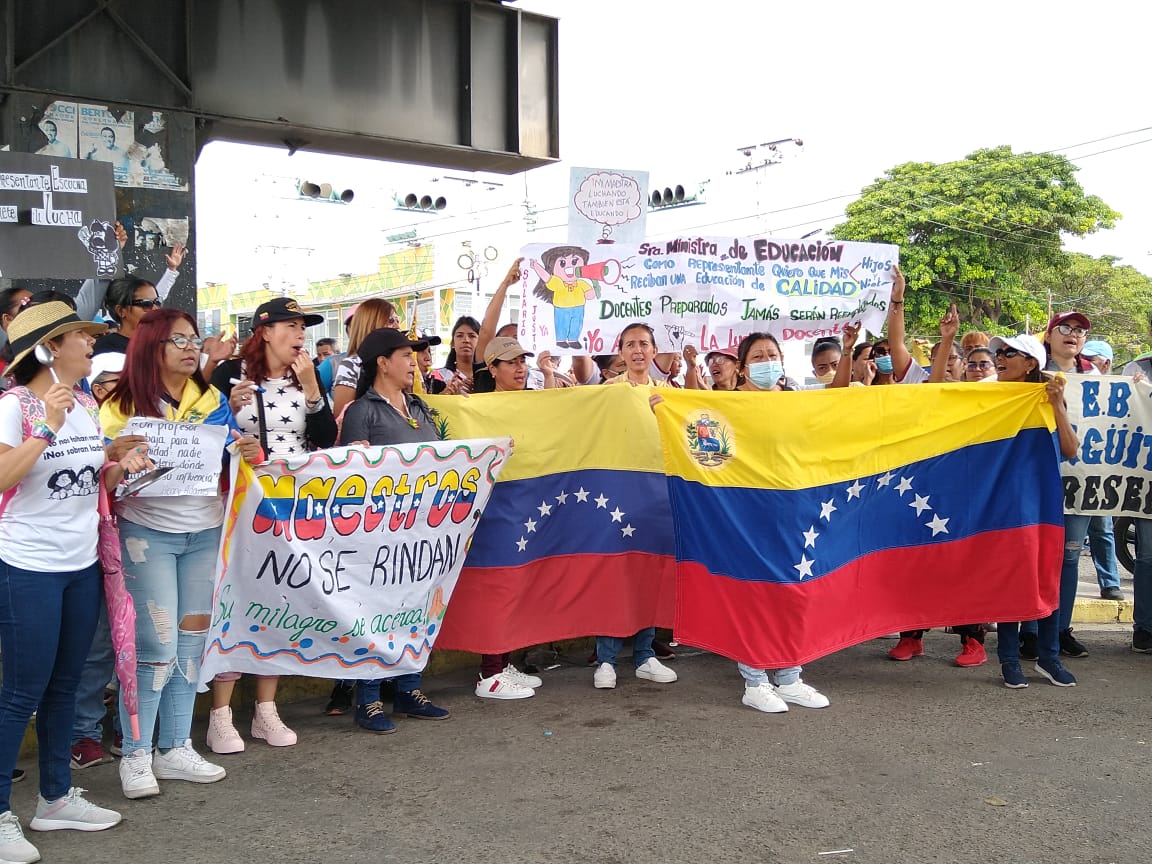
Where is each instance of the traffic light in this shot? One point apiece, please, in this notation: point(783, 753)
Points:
point(324, 192)
point(674, 196)
point(424, 203)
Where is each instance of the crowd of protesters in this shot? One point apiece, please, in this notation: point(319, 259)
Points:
point(71, 386)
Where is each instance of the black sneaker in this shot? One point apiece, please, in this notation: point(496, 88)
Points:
point(1142, 642)
point(17, 775)
point(663, 650)
point(340, 701)
point(1111, 594)
point(1070, 645)
point(1028, 649)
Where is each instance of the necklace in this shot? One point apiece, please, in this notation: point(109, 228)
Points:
point(403, 413)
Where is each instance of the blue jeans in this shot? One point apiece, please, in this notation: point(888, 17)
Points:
point(170, 578)
point(1102, 542)
point(46, 626)
point(1047, 638)
point(368, 692)
point(1142, 577)
point(98, 671)
point(569, 320)
point(607, 647)
point(780, 677)
point(1075, 528)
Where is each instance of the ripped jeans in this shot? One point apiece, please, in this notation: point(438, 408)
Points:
point(170, 578)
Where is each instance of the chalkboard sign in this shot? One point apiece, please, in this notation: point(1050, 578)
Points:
point(56, 218)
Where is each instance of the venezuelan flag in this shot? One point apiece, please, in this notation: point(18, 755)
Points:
point(577, 537)
point(806, 522)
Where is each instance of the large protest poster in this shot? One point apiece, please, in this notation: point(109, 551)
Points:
point(606, 206)
point(707, 292)
point(56, 218)
point(341, 563)
point(1112, 472)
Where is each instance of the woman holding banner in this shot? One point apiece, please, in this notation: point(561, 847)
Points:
point(385, 411)
point(169, 547)
point(1021, 359)
point(278, 400)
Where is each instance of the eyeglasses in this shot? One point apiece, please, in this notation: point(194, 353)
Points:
point(394, 321)
point(1006, 353)
point(183, 343)
point(980, 364)
point(879, 352)
point(148, 304)
point(106, 382)
point(952, 358)
point(1069, 330)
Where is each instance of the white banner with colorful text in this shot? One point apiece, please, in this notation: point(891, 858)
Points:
point(341, 563)
point(703, 291)
point(1112, 472)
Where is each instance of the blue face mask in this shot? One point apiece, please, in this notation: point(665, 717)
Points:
point(765, 375)
point(884, 364)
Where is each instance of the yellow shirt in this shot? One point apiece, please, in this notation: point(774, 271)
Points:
point(565, 296)
point(652, 382)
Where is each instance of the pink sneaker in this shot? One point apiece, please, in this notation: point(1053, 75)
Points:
point(266, 724)
point(222, 734)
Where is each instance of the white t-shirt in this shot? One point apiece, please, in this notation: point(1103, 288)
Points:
point(285, 418)
point(50, 519)
point(916, 374)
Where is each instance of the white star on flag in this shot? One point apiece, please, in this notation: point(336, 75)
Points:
point(627, 530)
point(810, 537)
point(827, 508)
point(521, 544)
point(905, 485)
point(855, 489)
point(581, 495)
point(530, 525)
point(545, 508)
point(885, 478)
point(804, 568)
point(920, 504)
point(617, 514)
point(601, 502)
point(562, 498)
point(938, 525)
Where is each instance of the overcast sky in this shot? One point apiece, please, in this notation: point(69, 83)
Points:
point(676, 87)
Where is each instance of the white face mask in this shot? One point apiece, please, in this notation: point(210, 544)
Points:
point(765, 375)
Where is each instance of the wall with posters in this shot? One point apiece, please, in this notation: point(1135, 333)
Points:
point(152, 155)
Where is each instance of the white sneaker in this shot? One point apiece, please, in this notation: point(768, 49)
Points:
point(184, 763)
point(801, 694)
point(499, 687)
point(763, 697)
point(515, 676)
point(223, 736)
point(136, 777)
point(13, 846)
point(74, 812)
point(653, 670)
point(604, 677)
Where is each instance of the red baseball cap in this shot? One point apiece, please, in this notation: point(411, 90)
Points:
point(727, 352)
point(1063, 317)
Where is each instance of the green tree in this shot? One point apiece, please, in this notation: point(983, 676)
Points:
point(969, 230)
point(1116, 299)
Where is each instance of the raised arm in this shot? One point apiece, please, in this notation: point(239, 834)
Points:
point(949, 325)
point(491, 322)
point(901, 359)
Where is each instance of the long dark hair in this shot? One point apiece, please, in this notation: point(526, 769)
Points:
point(462, 321)
point(140, 389)
point(122, 292)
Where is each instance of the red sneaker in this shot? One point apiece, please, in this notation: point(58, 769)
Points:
point(88, 752)
point(971, 654)
point(907, 648)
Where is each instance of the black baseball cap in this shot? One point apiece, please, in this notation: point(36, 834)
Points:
point(382, 342)
point(283, 309)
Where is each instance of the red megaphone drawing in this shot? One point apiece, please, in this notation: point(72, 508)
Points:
point(608, 272)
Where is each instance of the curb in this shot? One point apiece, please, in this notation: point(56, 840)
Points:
point(1091, 610)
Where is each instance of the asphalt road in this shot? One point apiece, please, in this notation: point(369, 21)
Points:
point(913, 762)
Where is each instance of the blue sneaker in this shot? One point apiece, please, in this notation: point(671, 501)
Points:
point(1056, 673)
point(416, 704)
point(1013, 676)
point(373, 718)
